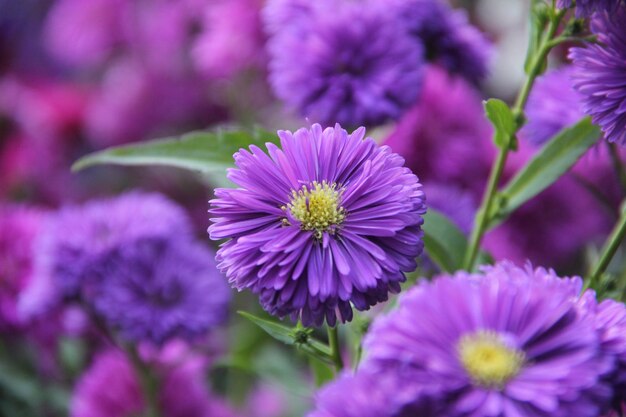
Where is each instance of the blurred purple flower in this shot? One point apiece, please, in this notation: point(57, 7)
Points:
point(19, 227)
point(86, 32)
point(445, 136)
point(77, 235)
point(267, 401)
point(586, 8)
point(448, 38)
point(111, 388)
point(289, 15)
point(329, 220)
point(553, 105)
point(507, 342)
point(134, 103)
point(350, 64)
point(600, 74)
point(157, 289)
point(231, 40)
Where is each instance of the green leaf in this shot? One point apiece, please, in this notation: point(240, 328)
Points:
point(552, 161)
point(297, 336)
point(444, 242)
point(502, 120)
point(210, 152)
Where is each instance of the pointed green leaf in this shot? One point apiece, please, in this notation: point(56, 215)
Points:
point(298, 336)
point(553, 160)
point(444, 242)
point(210, 152)
point(502, 119)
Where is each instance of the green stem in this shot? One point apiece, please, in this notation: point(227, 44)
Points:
point(333, 342)
point(148, 382)
point(610, 247)
point(618, 165)
point(483, 215)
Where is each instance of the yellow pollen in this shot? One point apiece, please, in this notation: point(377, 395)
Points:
point(488, 361)
point(317, 207)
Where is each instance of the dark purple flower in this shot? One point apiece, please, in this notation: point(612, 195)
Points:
point(600, 75)
point(586, 8)
point(507, 342)
point(328, 220)
point(445, 135)
point(111, 388)
point(158, 289)
point(349, 64)
point(448, 38)
point(553, 105)
point(19, 227)
point(77, 235)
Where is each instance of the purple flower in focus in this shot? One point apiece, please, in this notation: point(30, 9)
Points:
point(600, 75)
point(77, 235)
point(19, 227)
point(448, 38)
point(158, 289)
point(507, 342)
point(350, 64)
point(586, 8)
point(553, 105)
point(445, 135)
point(111, 388)
point(328, 220)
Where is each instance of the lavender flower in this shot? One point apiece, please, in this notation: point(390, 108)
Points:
point(448, 37)
point(586, 8)
point(553, 105)
point(349, 64)
point(158, 289)
point(507, 342)
point(329, 220)
point(79, 234)
point(111, 388)
point(600, 75)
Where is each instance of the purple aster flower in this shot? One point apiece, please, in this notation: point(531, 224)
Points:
point(586, 8)
point(79, 234)
point(553, 105)
point(507, 342)
point(611, 322)
point(350, 64)
point(158, 289)
point(600, 75)
point(445, 135)
point(111, 388)
point(328, 220)
point(448, 37)
point(19, 227)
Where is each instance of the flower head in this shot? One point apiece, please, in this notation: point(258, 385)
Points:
point(328, 220)
point(77, 235)
point(507, 342)
point(349, 64)
point(158, 289)
point(448, 38)
point(586, 8)
point(553, 105)
point(600, 75)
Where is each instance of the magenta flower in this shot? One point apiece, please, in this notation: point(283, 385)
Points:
point(328, 220)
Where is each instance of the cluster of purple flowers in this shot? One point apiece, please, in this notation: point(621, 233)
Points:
point(133, 262)
point(362, 64)
point(509, 341)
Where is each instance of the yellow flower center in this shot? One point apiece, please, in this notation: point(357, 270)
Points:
point(317, 207)
point(488, 361)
